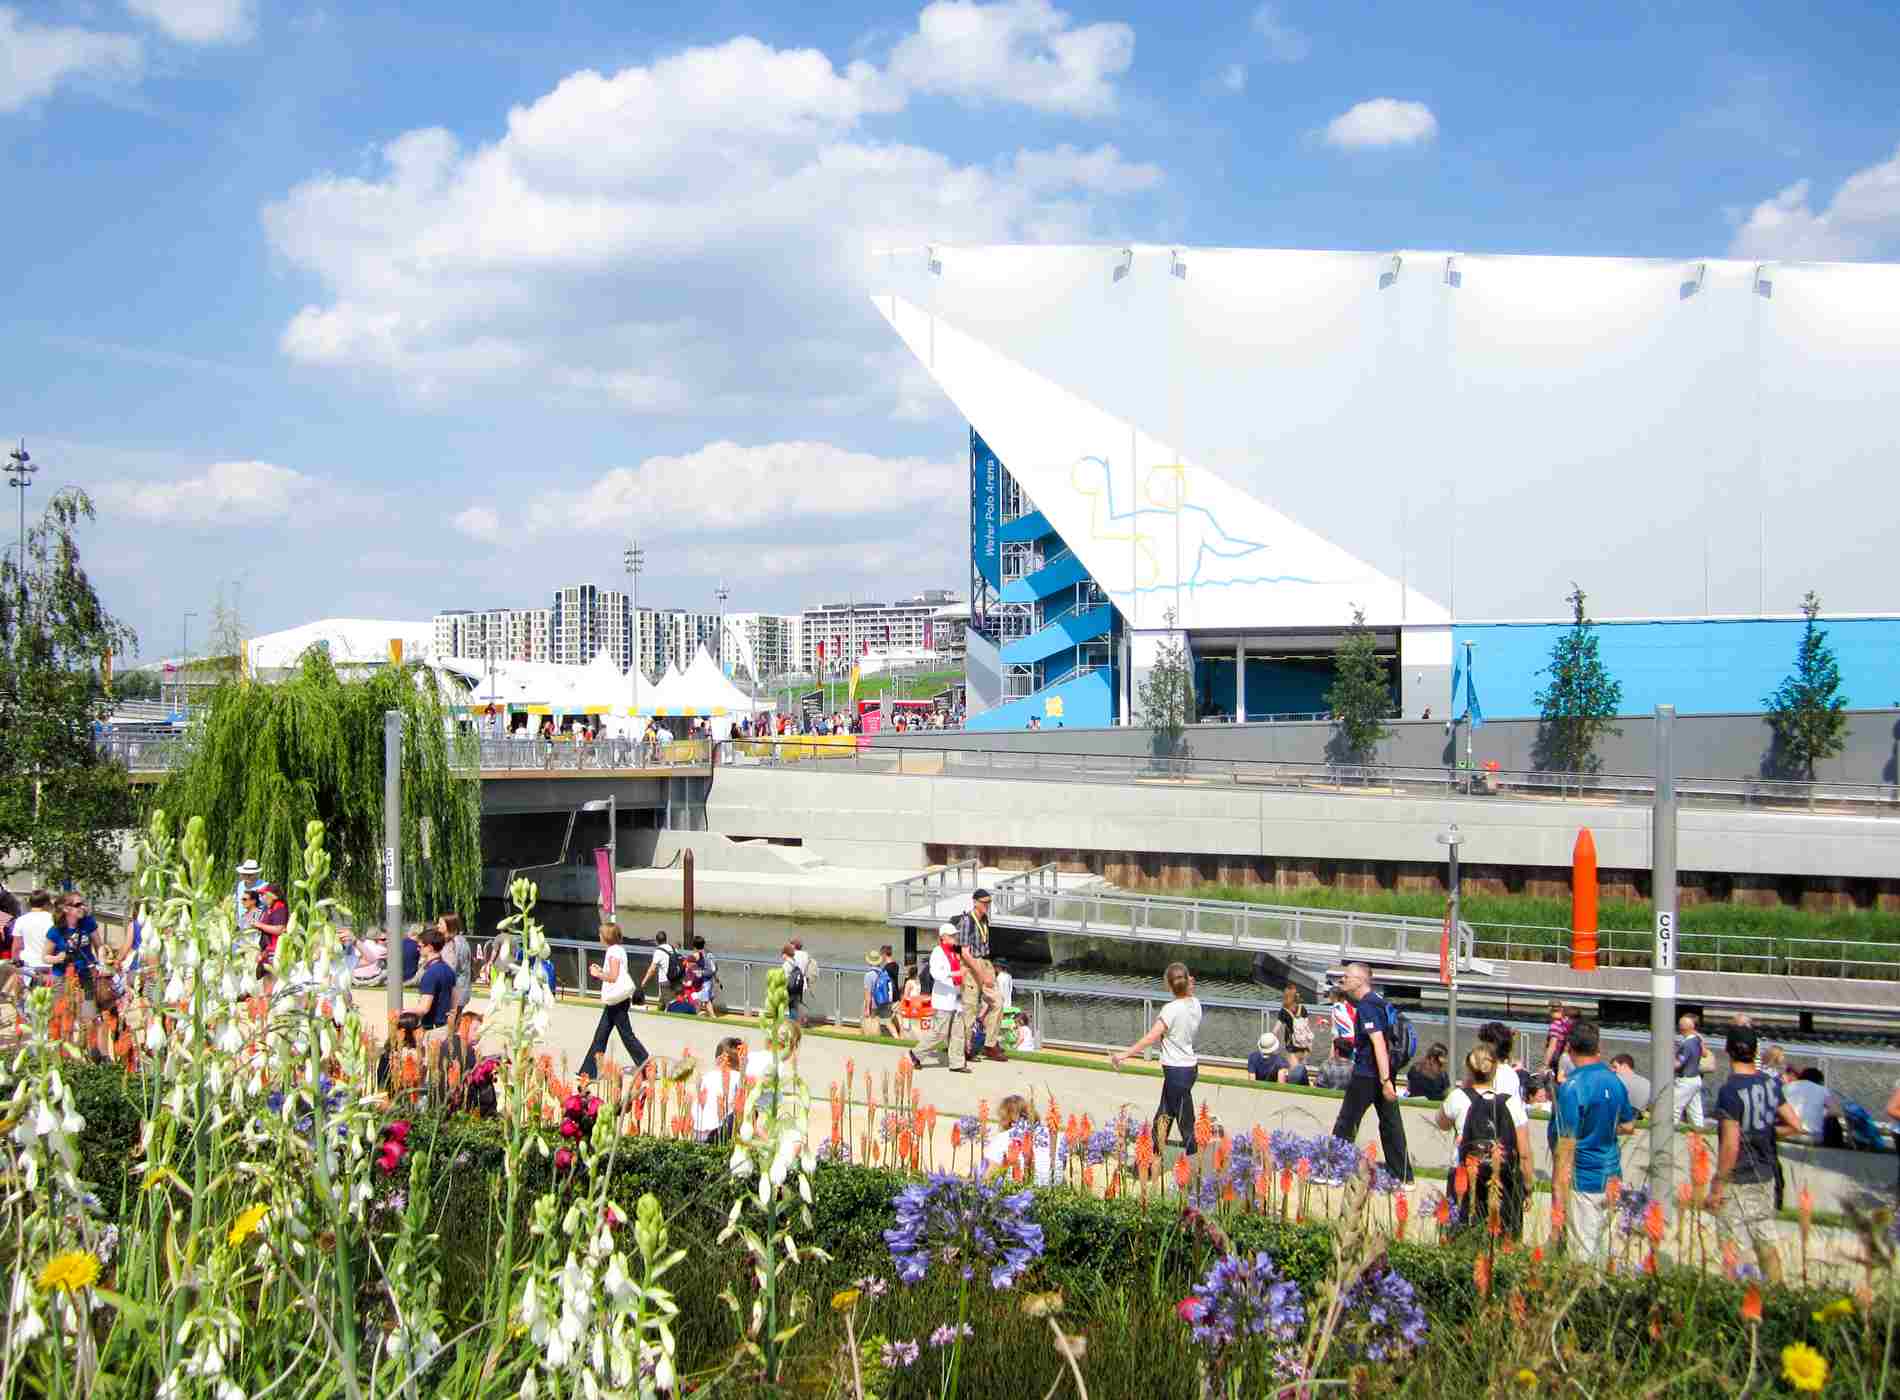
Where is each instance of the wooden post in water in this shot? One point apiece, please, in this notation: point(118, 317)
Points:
point(686, 899)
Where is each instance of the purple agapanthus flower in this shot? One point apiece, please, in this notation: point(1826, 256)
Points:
point(899, 1356)
point(1242, 1298)
point(1631, 1206)
point(947, 1334)
point(972, 1222)
point(1385, 1320)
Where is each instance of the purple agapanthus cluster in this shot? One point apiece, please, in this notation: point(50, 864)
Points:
point(1242, 1298)
point(1386, 1319)
point(1330, 1161)
point(1631, 1206)
point(834, 1150)
point(964, 1223)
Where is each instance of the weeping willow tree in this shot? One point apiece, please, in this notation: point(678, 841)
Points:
point(264, 759)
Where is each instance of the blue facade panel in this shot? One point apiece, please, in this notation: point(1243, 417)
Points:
point(1062, 635)
point(1085, 702)
point(1064, 572)
point(1699, 665)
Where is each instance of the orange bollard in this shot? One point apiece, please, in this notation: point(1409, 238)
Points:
point(1583, 903)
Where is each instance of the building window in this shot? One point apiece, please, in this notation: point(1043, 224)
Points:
point(1020, 560)
point(1018, 681)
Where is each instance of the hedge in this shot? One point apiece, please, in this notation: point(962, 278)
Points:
point(1098, 1252)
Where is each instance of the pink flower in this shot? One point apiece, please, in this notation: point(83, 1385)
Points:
point(389, 1157)
point(563, 1159)
point(397, 1131)
point(570, 1129)
point(593, 1108)
point(573, 1104)
point(614, 1215)
point(1188, 1309)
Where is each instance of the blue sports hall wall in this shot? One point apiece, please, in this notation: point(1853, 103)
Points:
point(1699, 665)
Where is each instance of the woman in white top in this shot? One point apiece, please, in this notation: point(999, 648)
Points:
point(616, 994)
point(1175, 1028)
point(1479, 1095)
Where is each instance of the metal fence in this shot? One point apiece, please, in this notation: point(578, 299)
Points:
point(1372, 780)
point(146, 753)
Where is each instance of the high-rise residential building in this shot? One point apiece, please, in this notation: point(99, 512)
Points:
point(686, 632)
point(531, 634)
point(450, 632)
point(575, 630)
point(839, 634)
point(616, 626)
point(763, 646)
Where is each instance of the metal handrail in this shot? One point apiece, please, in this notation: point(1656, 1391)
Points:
point(160, 754)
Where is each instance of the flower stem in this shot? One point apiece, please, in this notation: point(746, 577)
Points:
point(956, 1347)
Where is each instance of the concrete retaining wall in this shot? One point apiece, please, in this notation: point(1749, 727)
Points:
point(1212, 832)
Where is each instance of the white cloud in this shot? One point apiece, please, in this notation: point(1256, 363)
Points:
point(1382, 121)
point(1861, 221)
point(479, 523)
point(686, 236)
point(223, 491)
point(198, 21)
point(1285, 44)
point(725, 486)
point(35, 58)
point(1233, 78)
point(1015, 51)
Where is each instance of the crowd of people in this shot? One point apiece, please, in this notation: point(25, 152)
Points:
point(958, 1004)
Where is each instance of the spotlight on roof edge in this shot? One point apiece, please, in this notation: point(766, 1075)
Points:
point(1763, 287)
point(1693, 284)
point(1391, 274)
point(1176, 267)
point(1125, 266)
point(1453, 277)
point(932, 261)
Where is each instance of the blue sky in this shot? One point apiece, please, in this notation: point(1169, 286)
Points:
point(388, 307)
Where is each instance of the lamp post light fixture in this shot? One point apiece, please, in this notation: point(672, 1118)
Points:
point(20, 476)
point(610, 896)
point(721, 593)
point(1451, 840)
point(184, 663)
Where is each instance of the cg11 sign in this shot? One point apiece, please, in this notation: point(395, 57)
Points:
point(1665, 940)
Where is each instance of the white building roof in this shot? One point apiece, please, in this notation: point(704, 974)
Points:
point(349, 640)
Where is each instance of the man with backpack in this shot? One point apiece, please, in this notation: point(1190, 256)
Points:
point(880, 992)
point(661, 968)
point(1383, 1043)
point(1594, 1109)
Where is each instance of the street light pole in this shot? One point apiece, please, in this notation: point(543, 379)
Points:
point(1662, 967)
point(1451, 840)
point(721, 592)
point(184, 662)
point(634, 559)
point(20, 477)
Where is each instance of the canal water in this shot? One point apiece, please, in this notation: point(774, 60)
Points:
point(1093, 1002)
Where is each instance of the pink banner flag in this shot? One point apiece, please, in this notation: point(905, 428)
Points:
point(604, 870)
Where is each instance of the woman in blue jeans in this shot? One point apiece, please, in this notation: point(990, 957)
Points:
point(616, 995)
point(1175, 1029)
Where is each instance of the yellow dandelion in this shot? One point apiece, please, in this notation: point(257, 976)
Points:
point(69, 1272)
point(1835, 1311)
point(1527, 1378)
point(1803, 1367)
point(844, 1300)
point(245, 1225)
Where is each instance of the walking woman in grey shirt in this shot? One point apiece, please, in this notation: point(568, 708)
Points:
point(460, 957)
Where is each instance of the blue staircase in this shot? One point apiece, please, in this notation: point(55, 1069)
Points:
point(1062, 571)
point(1059, 634)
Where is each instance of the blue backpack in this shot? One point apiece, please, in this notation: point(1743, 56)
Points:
point(1862, 1128)
point(883, 991)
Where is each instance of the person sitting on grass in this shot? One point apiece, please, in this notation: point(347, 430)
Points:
point(1430, 1078)
point(1016, 1123)
point(1266, 1063)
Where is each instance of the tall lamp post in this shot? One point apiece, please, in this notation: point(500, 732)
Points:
point(184, 662)
point(20, 477)
point(720, 594)
point(1451, 840)
point(634, 559)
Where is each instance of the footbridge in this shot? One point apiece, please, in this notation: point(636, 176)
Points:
point(1305, 942)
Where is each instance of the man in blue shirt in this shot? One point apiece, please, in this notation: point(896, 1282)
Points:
point(1592, 1109)
point(438, 983)
point(1372, 1084)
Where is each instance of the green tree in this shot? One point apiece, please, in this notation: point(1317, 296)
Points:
point(62, 806)
point(1360, 696)
point(265, 759)
point(1580, 704)
point(1167, 696)
point(135, 685)
point(1807, 710)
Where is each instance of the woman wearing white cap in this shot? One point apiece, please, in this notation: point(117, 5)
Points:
point(250, 876)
